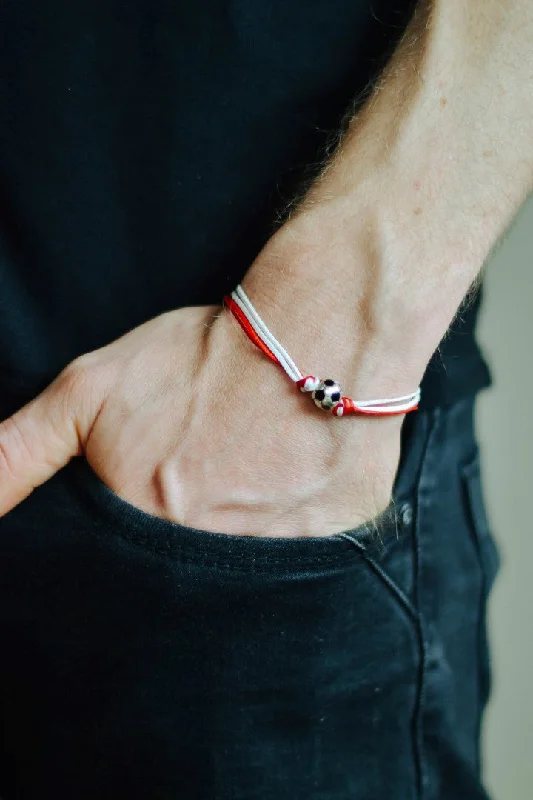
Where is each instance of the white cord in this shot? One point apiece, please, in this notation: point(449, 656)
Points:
point(379, 405)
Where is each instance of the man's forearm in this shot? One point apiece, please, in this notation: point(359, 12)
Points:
point(379, 254)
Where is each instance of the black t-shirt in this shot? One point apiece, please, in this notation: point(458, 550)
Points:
point(145, 148)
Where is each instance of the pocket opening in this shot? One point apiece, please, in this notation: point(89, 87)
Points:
point(119, 517)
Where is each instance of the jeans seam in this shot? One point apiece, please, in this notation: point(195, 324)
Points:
point(421, 633)
point(466, 471)
point(394, 588)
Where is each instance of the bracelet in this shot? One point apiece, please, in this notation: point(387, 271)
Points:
point(325, 393)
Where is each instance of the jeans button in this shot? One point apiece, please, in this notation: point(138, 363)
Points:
point(406, 514)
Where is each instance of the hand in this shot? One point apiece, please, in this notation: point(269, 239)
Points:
point(184, 418)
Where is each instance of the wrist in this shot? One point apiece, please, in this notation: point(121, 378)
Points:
point(324, 296)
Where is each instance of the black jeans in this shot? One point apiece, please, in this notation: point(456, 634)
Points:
point(142, 659)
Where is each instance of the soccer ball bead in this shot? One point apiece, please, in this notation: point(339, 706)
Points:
point(327, 394)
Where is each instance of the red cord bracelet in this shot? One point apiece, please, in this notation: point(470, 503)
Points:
point(325, 393)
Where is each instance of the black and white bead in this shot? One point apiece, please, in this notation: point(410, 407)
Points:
point(327, 394)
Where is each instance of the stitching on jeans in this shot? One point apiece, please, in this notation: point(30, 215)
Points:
point(167, 543)
point(239, 562)
point(166, 546)
point(417, 715)
point(352, 539)
point(395, 589)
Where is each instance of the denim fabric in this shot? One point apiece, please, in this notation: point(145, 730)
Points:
point(143, 659)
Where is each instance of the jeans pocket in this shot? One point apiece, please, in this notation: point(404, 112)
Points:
point(151, 660)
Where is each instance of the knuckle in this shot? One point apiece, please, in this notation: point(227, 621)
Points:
point(78, 378)
point(81, 389)
point(69, 387)
point(14, 447)
point(77, 371)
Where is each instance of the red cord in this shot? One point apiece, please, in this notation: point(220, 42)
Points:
point(346, 405)
point(242, 319)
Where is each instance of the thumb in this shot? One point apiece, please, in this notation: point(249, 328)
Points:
point(44, 435)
